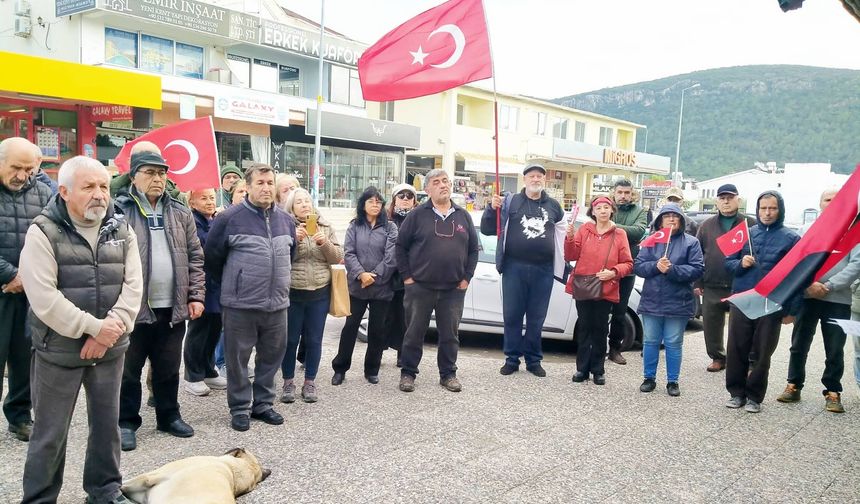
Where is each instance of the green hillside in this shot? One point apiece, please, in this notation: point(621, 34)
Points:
point(740, 115)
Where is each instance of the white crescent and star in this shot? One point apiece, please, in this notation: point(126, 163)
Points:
point(193, 155)
point(739, 237)
point(459, 45)
point(659, 235)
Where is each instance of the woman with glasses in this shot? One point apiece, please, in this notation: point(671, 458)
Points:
point(403, 200)
point(310, 292)
point(369, 258)
point(601, 252)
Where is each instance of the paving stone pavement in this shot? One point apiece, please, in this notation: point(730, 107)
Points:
point(517, 439)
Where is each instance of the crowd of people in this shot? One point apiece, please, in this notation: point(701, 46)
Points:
point(100, 276)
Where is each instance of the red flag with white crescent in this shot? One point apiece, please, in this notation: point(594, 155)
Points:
point(735, 239)
point(441, 48)
point(661, 236)
point(189, 149)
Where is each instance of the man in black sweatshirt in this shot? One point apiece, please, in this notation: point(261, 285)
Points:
point(437, 252)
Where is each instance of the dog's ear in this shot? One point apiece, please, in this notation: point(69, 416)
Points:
point(266, 474)
point(236, 452)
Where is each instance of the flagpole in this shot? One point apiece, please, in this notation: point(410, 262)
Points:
point(315, 175)
point(749, 236)
point(666, 252)
point(495, 120)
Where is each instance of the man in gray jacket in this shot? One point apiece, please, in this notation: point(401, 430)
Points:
point(174, 291)
point(81, 269)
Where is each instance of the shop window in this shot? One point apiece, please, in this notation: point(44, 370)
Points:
point(386, 111)
point(344, 87)
point(289, 82)
point(509, 117)
point(120, 48)
point(606, 135)
point(240, 70)
point(156, 54)
point(233, 149)
point(189, 61)
point(579, 131)
point(264, 76)
point(559, 128)
point(541, 124)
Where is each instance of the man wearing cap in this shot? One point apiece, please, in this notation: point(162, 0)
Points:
point(174, 291)
point(524, 256)
point(716, 284)
point(230, 176)
point(676, 195)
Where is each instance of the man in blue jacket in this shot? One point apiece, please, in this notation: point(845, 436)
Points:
point(771, 241)
point(249, 251)
point(524, 256)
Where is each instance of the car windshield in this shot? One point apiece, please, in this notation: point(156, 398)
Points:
point(488, 248)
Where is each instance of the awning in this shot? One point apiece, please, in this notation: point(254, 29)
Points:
point(360, 129)
point(487, 164)
point(33, 77)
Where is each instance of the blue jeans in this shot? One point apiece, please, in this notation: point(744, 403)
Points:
point(219, 352)
point(670, 332)
point(306, 321)
point(856, 339)
point(526, 289)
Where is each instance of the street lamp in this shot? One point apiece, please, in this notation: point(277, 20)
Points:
point(680, 119)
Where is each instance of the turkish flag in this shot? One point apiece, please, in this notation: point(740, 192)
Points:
point(735, 239)
point(662, 236)
point(188, 148)
point(439, 49)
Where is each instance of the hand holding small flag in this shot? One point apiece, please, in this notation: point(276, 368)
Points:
point(734, 241)
point(661, 236)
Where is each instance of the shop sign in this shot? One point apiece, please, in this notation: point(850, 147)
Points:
point(306, 42)
point(361, 129)
point(69, 7)
point(619, 157)
point(100, 113)
point(253, 107)
point(198, 16)
point(655, 184)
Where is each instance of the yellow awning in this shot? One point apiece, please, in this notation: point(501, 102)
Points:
point(60, 79)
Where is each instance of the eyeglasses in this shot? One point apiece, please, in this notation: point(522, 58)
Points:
point(154, 173)
point(405, 195)
point(442, 235)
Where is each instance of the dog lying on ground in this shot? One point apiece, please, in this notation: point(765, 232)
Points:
point(198, 480)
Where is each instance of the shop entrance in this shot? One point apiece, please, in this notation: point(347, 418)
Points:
point(15, 120)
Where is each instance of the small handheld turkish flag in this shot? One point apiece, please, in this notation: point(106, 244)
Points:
point(662, 236)
point(439, 49)
point(733, 241)
point(189, 149)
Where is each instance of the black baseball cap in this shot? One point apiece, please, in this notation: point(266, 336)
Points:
point(727, 189)
point(531, 167)
point(146, 158)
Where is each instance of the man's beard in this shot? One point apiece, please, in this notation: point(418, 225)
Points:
point(95, 213)
point(534, 189)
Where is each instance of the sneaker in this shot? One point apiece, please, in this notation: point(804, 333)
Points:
point(288, 393)
point(222, 371)
point(197, 388)
point(309, 392)
point(407, 383)
point(648, 385)
point(508, 369)
point(790, 394)
point(616, 357)
point(216, 383)
point(736, 402)
point(22, 431)
point(752, 406)
point(673, 389)
point(833, 402)
point(128, 439)
point(537, 370)
point(451, 383)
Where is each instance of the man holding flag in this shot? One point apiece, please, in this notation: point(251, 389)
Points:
point(716, 284)
point(769, 241)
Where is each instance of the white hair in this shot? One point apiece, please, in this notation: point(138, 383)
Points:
point(434, 173)
point(66, 175)
point(291, 198)
point(11, 143)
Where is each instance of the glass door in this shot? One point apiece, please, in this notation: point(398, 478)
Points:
point(15, 120)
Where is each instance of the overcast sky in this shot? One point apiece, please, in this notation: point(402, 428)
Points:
point(552, 48)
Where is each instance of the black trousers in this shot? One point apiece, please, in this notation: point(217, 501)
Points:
point(395, 321)
point(619, 311)
point(200, 343)
point(714, 312)
point(15, 354)
point(420, 303)
point(593, 321)
point(815, 311)
point(162, 345)
point(759, 337)
point(375, 335)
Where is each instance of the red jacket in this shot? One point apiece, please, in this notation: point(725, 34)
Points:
point(589, 249)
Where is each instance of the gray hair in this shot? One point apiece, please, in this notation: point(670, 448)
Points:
point(434, 173)
point(66, 175)
point(291, 198)
point(10, 143)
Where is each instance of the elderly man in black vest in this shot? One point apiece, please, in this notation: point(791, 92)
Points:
point(21, 199)
point(81, 269)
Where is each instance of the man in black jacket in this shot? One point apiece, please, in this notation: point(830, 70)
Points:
point(21, 199)
point(437, 252)
point(174, 291)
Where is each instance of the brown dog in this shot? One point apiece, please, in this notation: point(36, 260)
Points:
point(199, 480)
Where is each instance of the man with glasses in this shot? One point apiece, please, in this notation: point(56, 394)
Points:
point(174, 291)
point(437, 252)
point(525, 256)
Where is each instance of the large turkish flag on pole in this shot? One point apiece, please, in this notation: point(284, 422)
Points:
point(189, 149)
point(439, 49)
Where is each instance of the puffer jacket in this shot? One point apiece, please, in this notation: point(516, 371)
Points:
point(371, 250)
point(17, 211)
point(591, 251)
point(249, 250)
point(670, 294)
point(186, 254)
point(770, 244)
point(312, 263)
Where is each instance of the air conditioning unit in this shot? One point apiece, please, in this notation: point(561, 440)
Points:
point(23, 26)
point(22, 7)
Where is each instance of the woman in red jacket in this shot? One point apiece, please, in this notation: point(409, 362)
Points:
point(600, 249)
